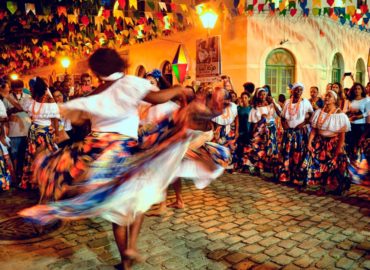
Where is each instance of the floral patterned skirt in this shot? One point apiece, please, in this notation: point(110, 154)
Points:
point(109, 174)
point(5, 175)
point(40, 139)
point(262, 152)
point(359, 167)
point(226, 137)
point(293, 153)
point(325, 172)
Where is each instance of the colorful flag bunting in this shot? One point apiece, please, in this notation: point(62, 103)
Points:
point(12, 6)
point(30, 7)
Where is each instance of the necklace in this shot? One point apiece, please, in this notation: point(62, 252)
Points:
point(35, 113)
point(321, 120)
point(16, 96)
point(294, 111)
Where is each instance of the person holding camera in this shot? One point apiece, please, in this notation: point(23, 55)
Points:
point(359, 109)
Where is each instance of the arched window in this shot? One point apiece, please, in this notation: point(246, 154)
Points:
point(167, 71)
point(140, 71)
point(360, 71)
point(337, 68)
point(280, 71)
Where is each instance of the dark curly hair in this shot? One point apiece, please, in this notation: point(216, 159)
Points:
point(39, 89)
point(352, 95)
point(105, 61)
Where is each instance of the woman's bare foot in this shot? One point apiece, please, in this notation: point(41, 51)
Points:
point(161, 211)
point(133, 256)
point(177, 204)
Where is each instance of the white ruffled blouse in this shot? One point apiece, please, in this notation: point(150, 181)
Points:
point(336, 123)
point(304, 108)
point(44, 112)
point(116, 108)
point(256, 113)
point(228, 115)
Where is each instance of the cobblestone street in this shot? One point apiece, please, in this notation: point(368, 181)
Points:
point(239, 222)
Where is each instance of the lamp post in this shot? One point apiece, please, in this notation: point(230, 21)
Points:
point(207, 16)
point(66, 63)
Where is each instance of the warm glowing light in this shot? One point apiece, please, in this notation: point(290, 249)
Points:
point(66, 62)
point(14, 77)
point(102, 41)
point(209, 19)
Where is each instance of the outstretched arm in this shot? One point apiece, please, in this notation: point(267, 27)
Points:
point(164, 95)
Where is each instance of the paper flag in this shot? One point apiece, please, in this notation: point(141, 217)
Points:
point(12, 6)
point(330, 2)
point(118, 14)
point(61, 10)
point(2, 14)
point(316, 11)
point(106, 13)
point(148, 15)
point(184, 7)
point(180, 64)
point(122, 3)
point(151, 5)
point(85, 20)
point(133, 4)
point(293, 12)
point(30, 7)
point(72, 19)
point(316, 3)
point(128, 20)
point(162, 6)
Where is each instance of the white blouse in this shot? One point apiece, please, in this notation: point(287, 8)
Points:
point(336, 123)
point(362, 105)
point(116, 108)
point(3, 113)
point(256, 113)
point(41, 113)
point(227, 116)
point(304, 108)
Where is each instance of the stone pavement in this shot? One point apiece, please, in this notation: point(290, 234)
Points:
point(239, 222)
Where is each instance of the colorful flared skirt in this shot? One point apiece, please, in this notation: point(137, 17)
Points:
point(40, 139)
point(109, 175)
point(324, 170)
point(227, 137)
point(359, 167)
point(5, 175)
point(293, 153)
point(262, 152)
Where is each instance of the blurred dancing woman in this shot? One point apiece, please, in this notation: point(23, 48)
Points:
point(327, 161)
point(262, 152)
point(294, 118)
point(109, 174)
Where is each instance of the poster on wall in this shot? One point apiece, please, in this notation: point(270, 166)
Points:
point(208, 62)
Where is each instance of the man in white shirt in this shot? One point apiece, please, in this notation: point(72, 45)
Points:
point(19, 124)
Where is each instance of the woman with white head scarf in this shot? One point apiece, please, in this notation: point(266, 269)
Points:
point(294, 117)
point(262, 152)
